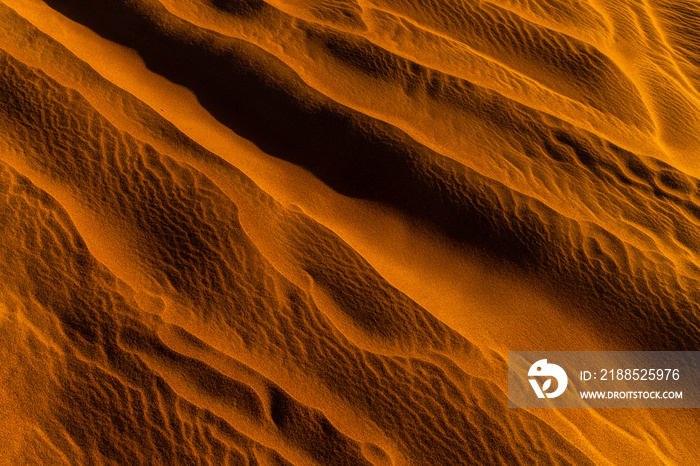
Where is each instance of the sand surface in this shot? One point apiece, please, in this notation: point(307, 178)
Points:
point(308, 232)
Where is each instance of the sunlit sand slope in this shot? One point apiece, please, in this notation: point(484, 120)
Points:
point(238, 232)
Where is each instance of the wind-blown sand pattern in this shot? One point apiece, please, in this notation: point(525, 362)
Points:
point(308, 232)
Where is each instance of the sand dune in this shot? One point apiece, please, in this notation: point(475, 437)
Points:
point(248, 232)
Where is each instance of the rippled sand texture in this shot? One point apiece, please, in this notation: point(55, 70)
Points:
point(308, 232)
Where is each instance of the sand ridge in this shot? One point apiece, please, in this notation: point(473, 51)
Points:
point(235, 280)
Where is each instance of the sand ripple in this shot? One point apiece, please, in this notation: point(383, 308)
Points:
point(247, 232)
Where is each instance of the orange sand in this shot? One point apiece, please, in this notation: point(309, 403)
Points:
point(309, 232)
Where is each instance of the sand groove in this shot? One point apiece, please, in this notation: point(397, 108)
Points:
point(206, 279)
